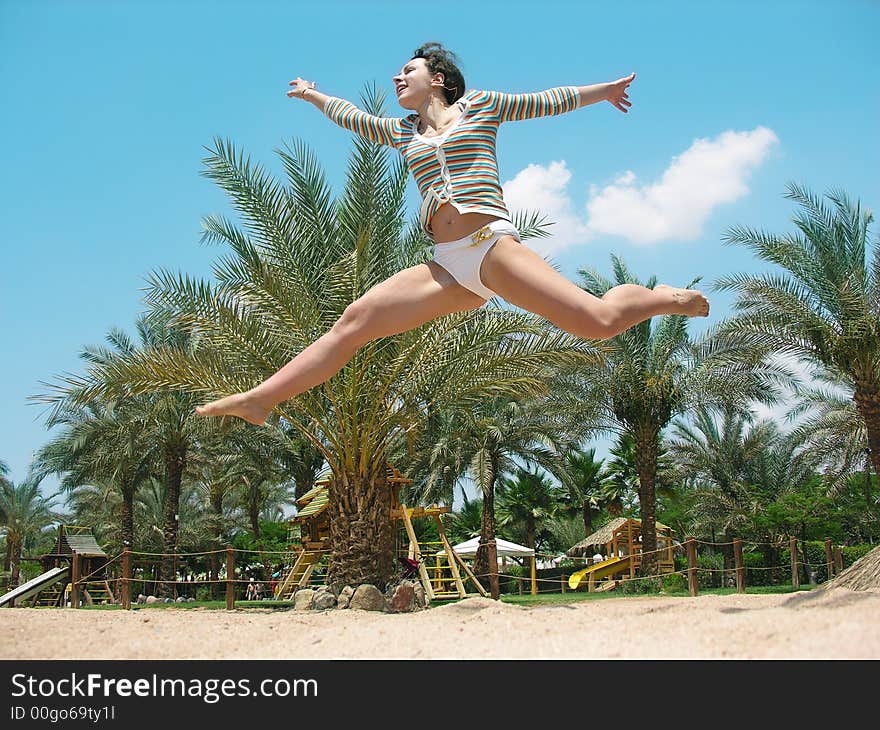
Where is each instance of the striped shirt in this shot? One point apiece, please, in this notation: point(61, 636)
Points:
point(458, 167)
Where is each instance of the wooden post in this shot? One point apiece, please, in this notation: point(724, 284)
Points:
point(413, 540)
point(74, 579)
point(838, 559)
point(829, 559)
point(230, 578)
point(534, 578)
point(470, 574)
point(692, 565)
point(562, 578)
point(520, 583)
point(795, 574)
point(740, 570)
point(126, 579)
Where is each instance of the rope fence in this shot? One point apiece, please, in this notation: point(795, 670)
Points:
point(292, 570)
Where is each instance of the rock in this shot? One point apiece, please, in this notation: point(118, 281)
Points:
point(419, 595)
point(344, 597)
point(181, 599)
point(302, 599)
point(323, 599)
point(368, 598)
point(151, 599)
point(190, 600)
point(169, 600)
point(404, 598)
point(141, 598)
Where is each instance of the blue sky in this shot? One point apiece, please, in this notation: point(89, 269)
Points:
point(107, 107)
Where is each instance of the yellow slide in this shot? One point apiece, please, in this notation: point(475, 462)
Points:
point(599, 570)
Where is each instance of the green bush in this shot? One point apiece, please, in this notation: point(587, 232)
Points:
point(674, 583)
point(851, 553)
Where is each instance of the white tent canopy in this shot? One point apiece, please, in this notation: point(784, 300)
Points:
point(468, 549)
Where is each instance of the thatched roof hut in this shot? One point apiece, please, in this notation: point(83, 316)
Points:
point(605, 534)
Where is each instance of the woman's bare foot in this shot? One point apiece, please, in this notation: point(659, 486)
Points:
point(688, 302)
point(243, 405)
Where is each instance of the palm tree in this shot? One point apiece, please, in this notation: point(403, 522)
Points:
point(175, 430)
point(529, 499)
point(715, 457)
point(586, 478)
point(741, 471)
point(25, 513)
point(834, 428)
point(620, 489)
point(4, 482)
point(823, 308)
point(654, 372)
point(105, 443)
point(498, 432)
point(300, 261)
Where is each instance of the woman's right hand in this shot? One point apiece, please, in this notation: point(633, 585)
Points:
point(300, 87)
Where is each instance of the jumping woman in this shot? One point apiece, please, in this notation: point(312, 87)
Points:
point(449, 145)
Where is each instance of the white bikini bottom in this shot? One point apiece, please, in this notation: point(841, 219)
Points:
point(463, 258)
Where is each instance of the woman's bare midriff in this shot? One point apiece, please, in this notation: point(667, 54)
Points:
point(450, 225)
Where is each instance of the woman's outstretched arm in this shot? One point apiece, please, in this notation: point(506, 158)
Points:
point(558, 100)
point(384, 130)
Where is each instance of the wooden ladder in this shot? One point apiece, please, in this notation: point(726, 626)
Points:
point(299, 573)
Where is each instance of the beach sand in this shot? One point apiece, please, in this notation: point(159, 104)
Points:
point(818, 624)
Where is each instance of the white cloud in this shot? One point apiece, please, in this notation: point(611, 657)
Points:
point(544, 189)
point(710, 173)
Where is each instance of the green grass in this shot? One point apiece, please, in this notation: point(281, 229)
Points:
point(577, 596)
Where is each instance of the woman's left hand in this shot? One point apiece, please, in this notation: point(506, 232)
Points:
point(617, 92)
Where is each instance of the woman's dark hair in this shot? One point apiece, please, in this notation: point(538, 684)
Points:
point(440, 60)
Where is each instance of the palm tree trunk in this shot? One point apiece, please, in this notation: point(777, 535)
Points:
point(486, 559)
point(361, 529)
point(174, 471)
point(588, 517)
point(867, 399)
point(729, 561)
point(127, 519)
point(254, 516)
point(15, 561)
point(7, 560)
point(646, 463)
point(217, 509)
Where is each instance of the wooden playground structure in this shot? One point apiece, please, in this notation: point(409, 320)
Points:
point(620, 542)
point(312, 522)
point(77, 555)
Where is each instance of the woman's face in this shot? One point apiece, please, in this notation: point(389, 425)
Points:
point(415, 83)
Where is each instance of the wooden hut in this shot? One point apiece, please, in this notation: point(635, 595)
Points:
point(622, 538)
point(77, 543)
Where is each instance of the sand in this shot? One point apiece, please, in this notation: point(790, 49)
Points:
point(820, 624)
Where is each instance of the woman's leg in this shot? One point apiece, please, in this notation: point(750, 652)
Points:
point(402, 302)
point(523, 278)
